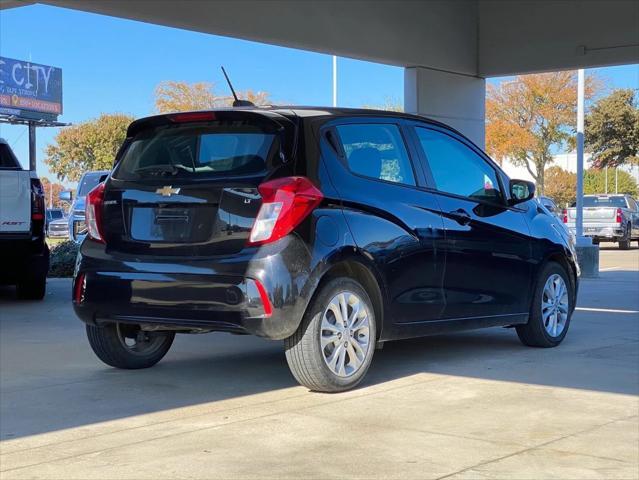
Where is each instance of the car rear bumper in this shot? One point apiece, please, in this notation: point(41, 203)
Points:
point(23, 259)
point(606, 231)
point(252, 293)
point(58, 233)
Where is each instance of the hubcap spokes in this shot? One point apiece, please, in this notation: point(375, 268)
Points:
point(554, 305)
point(345, 334)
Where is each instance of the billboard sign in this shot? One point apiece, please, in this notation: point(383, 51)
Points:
point(29, 90)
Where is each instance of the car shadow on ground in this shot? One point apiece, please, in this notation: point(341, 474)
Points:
point(73, 388)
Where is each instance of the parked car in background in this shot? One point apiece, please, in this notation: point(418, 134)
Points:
point(58, 228)
point(76, 221)
point(330, 229)
point(550, 205)
point(607, 218)
point(24, 255)
point(52, 215)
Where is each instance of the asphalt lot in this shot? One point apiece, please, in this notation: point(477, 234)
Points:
point(472, 405)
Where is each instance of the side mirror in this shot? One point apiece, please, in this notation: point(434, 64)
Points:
point(66, 196)
point(521, 191)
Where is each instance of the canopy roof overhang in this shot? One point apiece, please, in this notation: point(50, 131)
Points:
point(481, 38)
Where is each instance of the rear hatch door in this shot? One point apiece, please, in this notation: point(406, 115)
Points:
point(186, 184)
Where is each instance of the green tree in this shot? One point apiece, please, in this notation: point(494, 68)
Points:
point(531, 117)
point(612, 129)
point(390, 104)
point(173, 96)
point(52, 194)
point(90, 145)
point(595, 182)
point(561, 185)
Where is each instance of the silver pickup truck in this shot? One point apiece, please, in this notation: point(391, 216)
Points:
point(607, 218)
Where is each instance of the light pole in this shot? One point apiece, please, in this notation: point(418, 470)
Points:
point(334, 80)
point(587, 253)
point(580, 156)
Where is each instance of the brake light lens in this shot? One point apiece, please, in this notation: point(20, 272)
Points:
point(95, 200)
point(619, 218)
point(37, 200)
point(564, 215)
point(192, 117)
point(286, 202)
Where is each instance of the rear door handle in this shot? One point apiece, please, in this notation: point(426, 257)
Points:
point(461, 216)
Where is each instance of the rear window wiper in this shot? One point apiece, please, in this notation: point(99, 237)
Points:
point(157, 170)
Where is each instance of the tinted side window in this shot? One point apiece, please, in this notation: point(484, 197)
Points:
point(376, 151)
point(458, 169)
point(7, 158)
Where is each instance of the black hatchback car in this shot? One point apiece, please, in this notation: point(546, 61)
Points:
point(332, 229)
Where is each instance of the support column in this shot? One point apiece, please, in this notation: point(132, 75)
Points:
point(454, 99)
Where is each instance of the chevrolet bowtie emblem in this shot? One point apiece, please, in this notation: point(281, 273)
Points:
point(167, 191)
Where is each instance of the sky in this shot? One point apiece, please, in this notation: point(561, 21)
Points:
point(113, 65)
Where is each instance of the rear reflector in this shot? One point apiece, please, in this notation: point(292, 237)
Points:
point(266, 303)
point(286, 202)
point(192, 117)
point(78, 288)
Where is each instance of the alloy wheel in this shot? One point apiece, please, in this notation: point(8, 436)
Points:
point(555, 305)
point(345, 334)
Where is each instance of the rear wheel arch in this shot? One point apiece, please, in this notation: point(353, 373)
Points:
point(359, 271)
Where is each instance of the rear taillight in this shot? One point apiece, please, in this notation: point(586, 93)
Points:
point(619, 218)
point(78, 288)
point(93, 214)
point(564, 215)
point(285, 203)
point(37, 200)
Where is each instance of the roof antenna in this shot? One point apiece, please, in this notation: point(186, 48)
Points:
point(237, 102)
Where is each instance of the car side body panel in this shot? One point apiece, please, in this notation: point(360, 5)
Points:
point(399, 234)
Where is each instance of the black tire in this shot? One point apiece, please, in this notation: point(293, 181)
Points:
point(32, 288)
point(624, 244)
point(534, 333)
point(304, 353)
point(109, 344)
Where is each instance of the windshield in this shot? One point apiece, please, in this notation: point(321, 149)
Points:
point(617, 201)
point(88, 183)
point(196, 151)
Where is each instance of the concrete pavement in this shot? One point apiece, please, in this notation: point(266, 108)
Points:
point(473, 405)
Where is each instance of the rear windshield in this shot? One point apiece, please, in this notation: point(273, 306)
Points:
point(196, 152)
point(88, 183)
point(7, 158)
point(55, 214)
point(604, 202)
